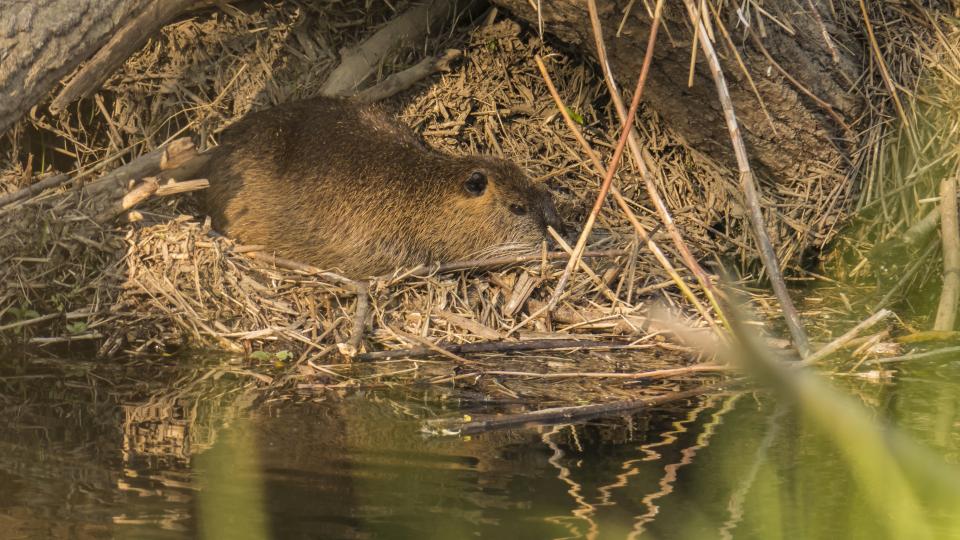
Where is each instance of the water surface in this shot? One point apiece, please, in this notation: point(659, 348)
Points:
point(186, 447)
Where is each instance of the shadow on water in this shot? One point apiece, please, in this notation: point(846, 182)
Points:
point(190, 447)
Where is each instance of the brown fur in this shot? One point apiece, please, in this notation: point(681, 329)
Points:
point(337, 184)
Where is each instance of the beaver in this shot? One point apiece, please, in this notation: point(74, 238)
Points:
point(342, 186)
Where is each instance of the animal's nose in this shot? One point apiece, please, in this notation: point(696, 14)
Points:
point(550, 215)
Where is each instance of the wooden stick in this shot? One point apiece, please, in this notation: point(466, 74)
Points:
point(149, 188)
point(172, 187)
point(502, 347)
point(33, 189)
point(946, 351)
point(359, 62)
point(398, 82)
point(178, 159)
point(950, 295)
point(359, 318)
point(474, 264)
point(564, 415)
point(920, 230)
point(655, 374)
point(43, 318)
point(749, 188)
point(847, 337)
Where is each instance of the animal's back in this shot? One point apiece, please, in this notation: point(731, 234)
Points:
point(342, 186)
point(306, 173)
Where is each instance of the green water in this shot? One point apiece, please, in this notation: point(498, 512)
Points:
point(173, 448)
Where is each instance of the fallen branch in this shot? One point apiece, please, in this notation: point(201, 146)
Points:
point(502, 347)
point(150, 187)
point(359, 62)
point(34, 189)
point(655, 374)
point(843, 340)
point(360, 316)
point(926, 355)
point(398, 82)
point(177, 160)
point(560, 415)
point(476, 264)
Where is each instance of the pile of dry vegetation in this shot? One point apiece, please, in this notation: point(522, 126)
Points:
point(78, 266)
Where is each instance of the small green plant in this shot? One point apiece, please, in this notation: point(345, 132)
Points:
point(261, 356)
point(75, 328)
point(23, 313)
point(575, 116)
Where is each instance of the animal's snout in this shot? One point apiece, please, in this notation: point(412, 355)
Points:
point(550, 216)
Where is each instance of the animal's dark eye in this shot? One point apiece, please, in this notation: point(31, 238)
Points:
point(518, 210)
point(476, 184)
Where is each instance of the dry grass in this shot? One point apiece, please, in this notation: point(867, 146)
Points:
point(165, 281)
point(903, 157)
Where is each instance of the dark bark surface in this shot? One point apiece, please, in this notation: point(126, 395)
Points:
point(41, 41)
point(806, 132)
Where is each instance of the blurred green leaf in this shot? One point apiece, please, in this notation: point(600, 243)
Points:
point(261, 356)
point(575, 115)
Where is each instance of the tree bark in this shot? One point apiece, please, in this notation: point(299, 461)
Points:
point(41, 41)
point(801, 129)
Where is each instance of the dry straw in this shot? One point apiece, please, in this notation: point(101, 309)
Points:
point(158, 278)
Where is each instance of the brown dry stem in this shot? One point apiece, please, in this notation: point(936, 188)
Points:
point(641, 163)
point(950, 235)
point(611, 169)
point(749, 188)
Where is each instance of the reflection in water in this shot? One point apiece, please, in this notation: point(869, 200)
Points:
point(192, 447)
point(739, 495)
point(671, 470)
point(584, 510)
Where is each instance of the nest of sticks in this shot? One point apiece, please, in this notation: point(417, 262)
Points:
point(124, 266)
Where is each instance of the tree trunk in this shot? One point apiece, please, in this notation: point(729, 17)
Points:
point(41, 41)
point(804, 131)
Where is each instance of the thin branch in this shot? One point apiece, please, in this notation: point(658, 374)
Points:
point(501, 347)
point(477, 264)
point(34, 188)
point(847, 337)
point(638, 156)
point(611, 170)
point(563, 415)
point(624, 206)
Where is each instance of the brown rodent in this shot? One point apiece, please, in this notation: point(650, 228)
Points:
point(341, 186)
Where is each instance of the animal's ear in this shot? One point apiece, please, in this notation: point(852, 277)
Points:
point(476, 184)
